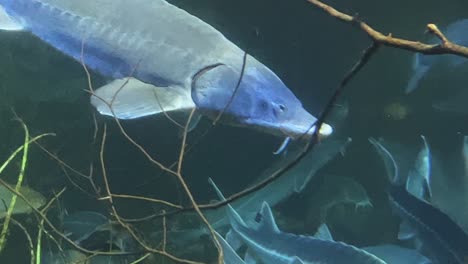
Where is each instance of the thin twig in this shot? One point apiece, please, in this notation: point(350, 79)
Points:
point(28, 237)
point(117, 216)
point(192, 200)
point(141, 259)
point(19, 184)
point(236, 88)
point(54, 229)
point(164, 233)
point(135, 197)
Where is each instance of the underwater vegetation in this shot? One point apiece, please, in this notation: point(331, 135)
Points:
point(295, 132)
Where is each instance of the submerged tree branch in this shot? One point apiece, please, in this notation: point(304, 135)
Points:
point(445, 47)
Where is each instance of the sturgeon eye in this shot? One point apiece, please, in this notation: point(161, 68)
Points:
point(282, 108)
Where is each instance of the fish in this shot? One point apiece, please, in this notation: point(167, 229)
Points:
point(394, 254)
point(390, 253)
point(162, 60)
point(295, 180)
point(338, 190)
point(396, 167)
point(441, 239)
point(421, 64)
point(447, 187)
point(91, 229)
point(80, 225)
point(229, 254)
point(35, 198)
point(69, 256)
point(453, 104)
point(271, 245)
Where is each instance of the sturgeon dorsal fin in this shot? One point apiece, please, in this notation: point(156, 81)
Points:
point(268, 222)
point(323, 232)
point(234, 218)
point(8, 23)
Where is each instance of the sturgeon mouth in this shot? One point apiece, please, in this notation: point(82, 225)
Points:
point(290, 130)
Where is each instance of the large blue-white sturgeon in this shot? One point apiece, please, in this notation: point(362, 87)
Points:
point(166, 60)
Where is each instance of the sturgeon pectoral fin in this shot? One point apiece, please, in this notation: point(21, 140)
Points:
point(233, 240)
point(131, 98)
point(8, 23)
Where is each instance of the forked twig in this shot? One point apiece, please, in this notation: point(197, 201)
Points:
point(28, 237)
point(117, 216)
point(446, 47)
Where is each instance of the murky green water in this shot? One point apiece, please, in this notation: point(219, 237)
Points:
point(310, 52)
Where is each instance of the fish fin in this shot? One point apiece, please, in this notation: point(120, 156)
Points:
point(419, 244)
point(465, 154)
point(249, 257)
point(418, 180)
point(191, 126)
point(233, 240)
point(8, 23)
point(268, 222)
point(229, 252)
point(283, 146)
point(234, 218)
point(427, 177)
point(131, 98)
point(323, 232)
point(416, 78)
point(296, 260)
point(390, 164)
point(414, 185)
point(406, 232)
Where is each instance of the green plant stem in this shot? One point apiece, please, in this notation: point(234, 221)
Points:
point(11, 207)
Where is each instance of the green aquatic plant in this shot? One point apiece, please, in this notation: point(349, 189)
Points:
point(10, 198)
point(21, 207)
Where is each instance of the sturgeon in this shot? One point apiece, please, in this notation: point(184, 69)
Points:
point(161, 59)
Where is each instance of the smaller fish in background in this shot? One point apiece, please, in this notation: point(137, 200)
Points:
point(422, 64)
point(454, 104)
point(229, 254)
point(295, 180)
point(436, 234)
point(394, 254)
point(337, 190)
point(92, 230)
point(391, 254)
point(271, 245)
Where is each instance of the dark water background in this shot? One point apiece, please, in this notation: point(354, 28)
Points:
point(309, 50)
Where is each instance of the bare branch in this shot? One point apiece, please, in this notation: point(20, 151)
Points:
point(446, 47)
